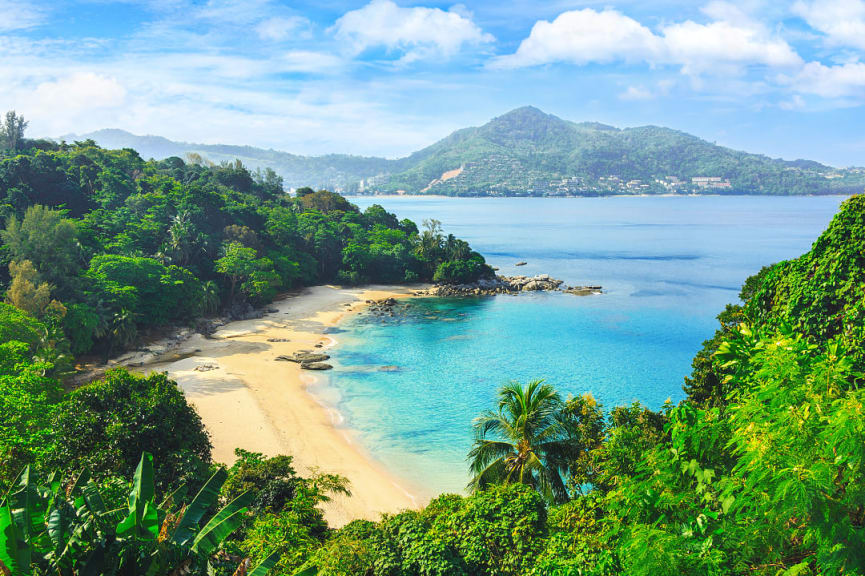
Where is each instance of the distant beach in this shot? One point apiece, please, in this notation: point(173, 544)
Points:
point(249, 400)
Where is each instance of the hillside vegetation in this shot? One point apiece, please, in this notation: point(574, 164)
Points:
point(759, 471)
point(100, 244)
point(529, 153)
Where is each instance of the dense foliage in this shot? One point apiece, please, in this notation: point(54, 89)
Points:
point(46, 529)
point(760, 470)
point(104, 245)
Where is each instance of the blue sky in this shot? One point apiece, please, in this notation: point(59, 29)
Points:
point(387, 77)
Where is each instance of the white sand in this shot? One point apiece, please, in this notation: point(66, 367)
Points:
point(250, 401)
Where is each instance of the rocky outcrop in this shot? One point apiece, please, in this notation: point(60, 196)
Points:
point(508, 285)
point(315, 366)
point(303, 357)
point(582, 290)
point(383, 307)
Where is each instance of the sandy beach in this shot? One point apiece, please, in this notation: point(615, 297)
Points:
point(249, 400)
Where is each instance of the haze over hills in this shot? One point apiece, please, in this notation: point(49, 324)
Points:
point(528, 152)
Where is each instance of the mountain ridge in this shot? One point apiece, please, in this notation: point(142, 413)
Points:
point(527, 152)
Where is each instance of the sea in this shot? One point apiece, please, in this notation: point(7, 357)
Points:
point(408, 386)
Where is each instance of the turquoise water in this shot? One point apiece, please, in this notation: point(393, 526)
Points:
point(410, 385)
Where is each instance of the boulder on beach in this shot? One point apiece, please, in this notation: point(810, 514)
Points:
point(206, 367)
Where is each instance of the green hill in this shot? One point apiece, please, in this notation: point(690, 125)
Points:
point(337, 172)
point(529, 153)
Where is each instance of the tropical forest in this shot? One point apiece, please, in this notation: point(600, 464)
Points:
point(760, 470)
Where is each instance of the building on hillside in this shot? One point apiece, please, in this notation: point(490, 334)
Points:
point(710, 182)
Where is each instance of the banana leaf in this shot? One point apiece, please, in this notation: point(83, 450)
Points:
point(221, 525)
point(199, 506)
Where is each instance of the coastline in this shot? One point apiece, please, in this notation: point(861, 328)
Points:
point(248, 400)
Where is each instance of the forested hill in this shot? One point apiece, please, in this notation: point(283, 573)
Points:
point(337, 172)
point(100, 244)
point(528, 152)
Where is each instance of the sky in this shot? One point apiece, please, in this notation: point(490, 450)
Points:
point(388, 77)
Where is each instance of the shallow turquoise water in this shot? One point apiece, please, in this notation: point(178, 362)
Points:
point(668, 265)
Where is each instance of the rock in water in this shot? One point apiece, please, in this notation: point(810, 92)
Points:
point(315, 366)
point(520, 263)
point(303, 358)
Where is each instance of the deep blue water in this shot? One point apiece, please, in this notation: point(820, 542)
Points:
point(668, 266)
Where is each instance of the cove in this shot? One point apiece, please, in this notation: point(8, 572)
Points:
point(410, 385)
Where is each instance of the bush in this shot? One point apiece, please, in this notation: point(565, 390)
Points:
point(462, 271)
point(106, 425)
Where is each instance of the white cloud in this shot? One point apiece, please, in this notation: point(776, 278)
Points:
point(636, 93)
point(842, 21)
point(418, 32)
point(583, 36)
point(725, 47)
point(279, 28)
point(841, 81)
point(310, 62)
point(587, 36)
point(794, 103)
point(18, 15)
point(79, 92)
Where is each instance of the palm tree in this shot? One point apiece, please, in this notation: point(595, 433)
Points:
point(525, 441)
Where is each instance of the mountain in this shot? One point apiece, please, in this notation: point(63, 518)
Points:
point(527, 152)
point(338, 172)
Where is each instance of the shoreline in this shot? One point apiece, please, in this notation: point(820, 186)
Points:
point(248, 400)
point(582, 196)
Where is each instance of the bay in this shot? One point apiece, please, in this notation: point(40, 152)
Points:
point(411, 385)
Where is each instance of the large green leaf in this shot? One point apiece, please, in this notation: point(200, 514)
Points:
point(95, 563)
point(143, 519)
point(27, 507)
point(266, 565)
point(14, 549)
point(196, 510)
point(221, 525)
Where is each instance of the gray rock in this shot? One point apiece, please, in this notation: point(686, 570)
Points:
point(315, 366)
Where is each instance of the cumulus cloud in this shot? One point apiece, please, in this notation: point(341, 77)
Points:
point(588, 36)
point(583, 36)
point(725, 47)
point(842, 21)
point(417, 32)
point(839, 81)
